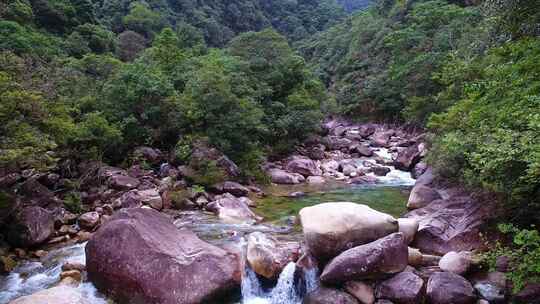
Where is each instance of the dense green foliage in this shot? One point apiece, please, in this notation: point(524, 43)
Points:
point(524, 254)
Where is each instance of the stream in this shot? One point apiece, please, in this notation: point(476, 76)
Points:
point(279, 211)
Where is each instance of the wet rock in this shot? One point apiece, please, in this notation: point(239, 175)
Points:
point(315, 180)
point(408, 227)
point(267, 257)
point(30, 227)
point(456, 262)
point(233, 188)
point(403, 288)
point(62, 294)
point(528, 295)
point(408, 158)
point(154, 262)
point(323, 295)
point(361, 291)
point(89, 220)
point(422, 196)
point(279, 176)
point(232, 210)
point(449, 225)
point(331, 228)
point(76, 275)
point(73, 266)
point(377, 259)
point(449, 288)
point(303, 166)
point(296, 194)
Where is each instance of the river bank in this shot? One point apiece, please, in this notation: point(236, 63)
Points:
point(358, 163)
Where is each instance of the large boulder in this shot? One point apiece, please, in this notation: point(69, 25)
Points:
point(332, 228)
point(36, 194)
point(149, 155)
point(279, 176)
point(138, 198)
point(449, 288)
point(366, 130)
point(30, 227)
point(202, 153)
point(377, 259)
point(139, 256)
point(408, 158)
point(267, 257)
point(403, 288)
point(232, 210)
point(528, 295)
point(62, 294)
point(304, 166)
point(449, 225)
point(421, 196)
point(323, 295)
point(382, 138)
point(338, 143)
point(123, 182)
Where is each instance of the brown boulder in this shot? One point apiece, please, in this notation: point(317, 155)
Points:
point(139, 256)
point(233, 188)
point(267, 257)
point(303, 166)
point(382, 138)
point(403, 288)
point(449, 225)
point(361, 291)
point(385, 256)
point(408, 158)
point(123, 182)
point(323, 295)
point(30, 227)
point(449, 288)
point(332, 228)
point(279, 176)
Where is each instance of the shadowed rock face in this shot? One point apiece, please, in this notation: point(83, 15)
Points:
point(30, 227)
point(403, 288)
point(385, 256)
point(449, 225)
point(139, 256)
point(449, 288)
point(332, 228)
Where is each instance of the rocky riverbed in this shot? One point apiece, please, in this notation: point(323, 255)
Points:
point(337, 226)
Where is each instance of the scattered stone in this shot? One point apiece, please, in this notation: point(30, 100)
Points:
point(331, 228)
point(403, 288)
point(154, 262)
point(89, 220)
point(323, 295)
point(151, 197)
point(296, 194)
point(449, 288)
point(361, 291)
point(123, 182)
point(382, 257)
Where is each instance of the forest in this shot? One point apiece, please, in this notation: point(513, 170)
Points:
point(93, 81)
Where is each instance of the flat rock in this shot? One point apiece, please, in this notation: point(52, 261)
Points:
point(449, 288)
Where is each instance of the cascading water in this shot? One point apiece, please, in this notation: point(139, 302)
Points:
point(30, 276)
point(286, 290)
